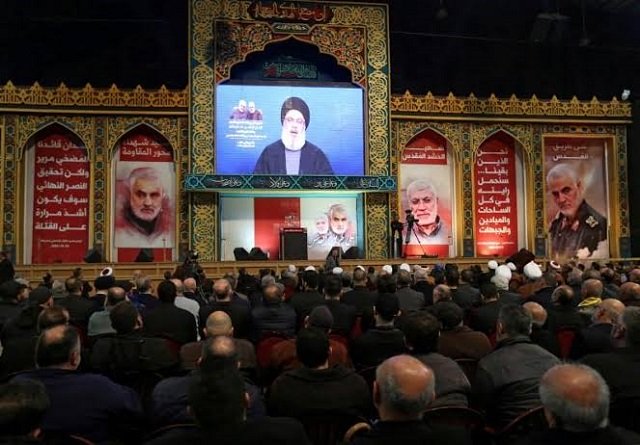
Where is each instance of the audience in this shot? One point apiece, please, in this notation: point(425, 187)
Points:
point(315, 380)
point(238, 309)
point(619, 368)
point(457, 340)
point(421, 331)
point(409, 299)
point(218, 401)
point(597, 337)
point(307, 299)
point(344, 315)
point(576, 405)
point(403, 390)
point(168, 321)
point(170, 396)
point(23, 405)
point(316, 389)
point(283, 354)
point(382, 341)
point(274, 316)
point(130, 351)
point(540, 334)
point(100, 321)
point(218, 323)
point(88, 405)
point(507, 379)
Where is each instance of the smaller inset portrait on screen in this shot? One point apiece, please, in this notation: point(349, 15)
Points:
point(289, 130)
point(334, 224)
point(145, 216)
point(576, 198)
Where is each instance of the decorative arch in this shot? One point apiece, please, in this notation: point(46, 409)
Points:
point(341, 71)
point(80, 128)
point(120, 129)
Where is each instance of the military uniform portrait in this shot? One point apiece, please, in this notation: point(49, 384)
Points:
point(576, 201)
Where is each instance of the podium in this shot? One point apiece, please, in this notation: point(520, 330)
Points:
point(293, 243)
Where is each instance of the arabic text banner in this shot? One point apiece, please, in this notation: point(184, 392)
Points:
point(495, 196)
point(60, 201)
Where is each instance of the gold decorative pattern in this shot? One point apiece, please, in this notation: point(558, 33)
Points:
point(345, 44)
point(29, 125)
point(223, 34)
point(377, 221)
point(512, 107)
point(379, 122)
point(113, 97)
point(204, 209)
point(234, 41)
point(623, 182)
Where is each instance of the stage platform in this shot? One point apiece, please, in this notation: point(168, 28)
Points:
point(123, 271)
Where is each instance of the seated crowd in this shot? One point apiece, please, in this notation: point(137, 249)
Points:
point(245, 359)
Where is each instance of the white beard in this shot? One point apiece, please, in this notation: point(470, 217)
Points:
point(293, 142)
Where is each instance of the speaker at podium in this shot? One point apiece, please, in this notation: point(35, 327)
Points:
point(293, 243)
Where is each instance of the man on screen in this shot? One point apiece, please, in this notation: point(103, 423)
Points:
point(293, 154)
point(144, 220)
point(253, 113)
point(429, 228)
point(577, 230)
point(239, 113)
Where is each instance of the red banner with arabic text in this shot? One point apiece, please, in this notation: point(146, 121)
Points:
point(60, 201)
point(496, 210)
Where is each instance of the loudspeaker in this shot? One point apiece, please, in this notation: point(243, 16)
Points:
point(352, 253)
point(240, 254)
point(257, 254)
point(293, 244)
point(144, 256)
point(93, 256)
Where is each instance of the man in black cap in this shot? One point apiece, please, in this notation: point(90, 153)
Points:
point(293, 154)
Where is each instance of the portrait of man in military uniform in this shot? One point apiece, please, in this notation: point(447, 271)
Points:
point(577, 230)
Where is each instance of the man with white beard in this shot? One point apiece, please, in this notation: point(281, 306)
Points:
point(293, 154)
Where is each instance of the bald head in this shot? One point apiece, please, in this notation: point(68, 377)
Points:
point(219, 323)
point(58, 347)
point(634, 275)
point(629, 292)
point(218, 353)
point(190, 285)
point(592, 288)
point(403, 389)
point(609, 311)
point(179, 285)
point(537, 312)
point(575, 398)
point(273, 293)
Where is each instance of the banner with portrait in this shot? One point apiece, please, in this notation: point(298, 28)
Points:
point(495, 197)
point(249, 222)
point(576, 198)
point(425, 196)
point(145, 200)
point(57, 200)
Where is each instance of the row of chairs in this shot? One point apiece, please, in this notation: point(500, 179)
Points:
point(463, 424)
